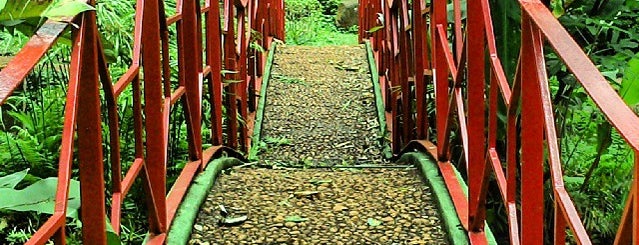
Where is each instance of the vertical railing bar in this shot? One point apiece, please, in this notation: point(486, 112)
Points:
point(155, 164)
point(420, 84)
point(213, 57)
point(440, 73)
point(476, 115)
point(89, 133)
point(532, 153)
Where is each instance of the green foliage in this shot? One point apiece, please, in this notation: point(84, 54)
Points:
point(289, 80)
point(629, 90)
point(115, 22)
point(608, 33)
point(112, 237)
point(596, 160)
point(374, 29)
point(30, 131)
point(40, 197)
point(329, 7)
point(277, 141)
point(10, 181)
point(298, 9)
point(17, 11)
point(306, 24)
point(506, 21)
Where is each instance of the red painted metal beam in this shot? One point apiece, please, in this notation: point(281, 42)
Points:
point(150, 45)
point(28, 57)
point(476, 116)
point(89, 131)
point(532, 152)
point(616, 111)
point(155, 141)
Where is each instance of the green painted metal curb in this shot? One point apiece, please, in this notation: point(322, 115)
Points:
point(452, 225)
point(259, 115)
point(182, 225)
point(381, 115)
point(430, 171)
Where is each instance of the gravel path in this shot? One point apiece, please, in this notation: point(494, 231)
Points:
point(320, 111)
point(372, 206)
point(320, 108)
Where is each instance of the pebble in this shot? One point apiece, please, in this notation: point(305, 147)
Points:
point(388, 219)
point(289, 224)
point(279, 219)
point(420, 221)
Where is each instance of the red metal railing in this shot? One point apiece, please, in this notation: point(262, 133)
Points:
point(460, 85)
point(153, 97)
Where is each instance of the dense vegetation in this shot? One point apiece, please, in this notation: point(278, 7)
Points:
point(312, 22)
point(597, 162)
point(31, 120)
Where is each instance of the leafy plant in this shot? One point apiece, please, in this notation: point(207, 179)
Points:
point(629, 90)
point(309, 22)
point(289, 80)
point(17, 11)
point(277, 141)
point(38, 197)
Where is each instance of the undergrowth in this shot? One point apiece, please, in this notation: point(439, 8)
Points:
point(312, 22)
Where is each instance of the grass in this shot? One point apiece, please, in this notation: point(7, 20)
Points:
point(289, 80)
point(310, 33)
point(307, 23)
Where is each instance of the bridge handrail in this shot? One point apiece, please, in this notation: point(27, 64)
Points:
point(544, 26)
point(89, 73)
point(458, 71)
point(608, 100)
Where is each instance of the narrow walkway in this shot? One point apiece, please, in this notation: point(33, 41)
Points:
point(320, 108)
point(320, 111)
point(373, 206)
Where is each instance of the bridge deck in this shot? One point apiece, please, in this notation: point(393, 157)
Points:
point(320, 111)
point(320, 108)
point(372, 206)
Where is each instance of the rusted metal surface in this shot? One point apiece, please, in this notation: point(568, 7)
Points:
point(201, 56)
point(460, 50)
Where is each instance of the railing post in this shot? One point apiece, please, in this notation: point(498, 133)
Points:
point(361, 11)
point(404, 72)
point(191, 52)
point(230, 64)
point(476, 114)
point(155, 164)
point(84, 65)
point(532, 137)
point(242, 47)
point(440, 75)
point(213, 56)
point(419, 49)
point(395, 71)
point(281, 21)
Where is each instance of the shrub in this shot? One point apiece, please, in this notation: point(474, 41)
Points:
point(299, 9)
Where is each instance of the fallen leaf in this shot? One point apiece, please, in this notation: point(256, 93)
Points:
point(234, 220)
point(320, 181)
point(373, 222)
point(285, 203)
point(300, 194)
point(295, 218)
point(223, 210)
